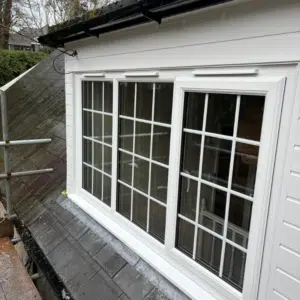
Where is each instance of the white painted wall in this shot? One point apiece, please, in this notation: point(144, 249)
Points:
point(265, 34)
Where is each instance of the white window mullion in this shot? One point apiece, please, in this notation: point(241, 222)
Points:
point(199, 177)
point(150, 156)
point(174, 166)
point(93, 159)
point(114, 169)
point(235, 128)
point(102, 146)
point(133, 151)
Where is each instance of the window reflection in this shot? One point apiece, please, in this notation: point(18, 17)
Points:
point(212, 149)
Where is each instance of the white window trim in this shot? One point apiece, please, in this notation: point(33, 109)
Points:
point(187, 275)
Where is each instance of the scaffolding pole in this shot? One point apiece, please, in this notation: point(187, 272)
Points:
point(5, 151)
point(25, 173)
point(6, 143)
point(24, 142)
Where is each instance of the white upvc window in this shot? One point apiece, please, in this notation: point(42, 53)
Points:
point(184, 165)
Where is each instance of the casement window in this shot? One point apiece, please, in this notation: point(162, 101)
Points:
point(220, 146)
point(185, 164)
point(145, 111)
point(97, 139)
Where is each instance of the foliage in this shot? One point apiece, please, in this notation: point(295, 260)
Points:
point(44, 13)
point(13, 63)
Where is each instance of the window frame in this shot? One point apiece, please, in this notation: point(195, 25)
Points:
point(188, 271)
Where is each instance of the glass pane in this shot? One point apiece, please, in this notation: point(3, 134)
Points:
point(87, 151)
point(141, 175)
point(157, 221)
point(191, 153)
point(187, 197)
point(106, 189)
point(87, 94)
point(125, 167)
point(250, 117)
point(107, 159)
point(87, 123)
point(126, 134)
point(97, 127)
point(87, 178)
point(108, 99)
point(98, 95)
point(185, 237)
point(194, 109)
point(234, 266)
point(98, 155)
point(161, 144)
point(208, 252)
point(144, 100)
point(244, 170)
point(97, 185)
point(163, 102)
point(107, 129)
point(142, 139)
point(212, 208)
point(239, 220)
point(216, 160)
point(126, 98)
point(159, 182)
point(139, 213)
point(221, 113)
point(124, 200)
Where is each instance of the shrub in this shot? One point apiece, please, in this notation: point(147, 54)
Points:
point(13, 63)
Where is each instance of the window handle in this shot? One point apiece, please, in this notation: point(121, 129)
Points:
point(134, 164)
point(188, 181)
point(162, 187)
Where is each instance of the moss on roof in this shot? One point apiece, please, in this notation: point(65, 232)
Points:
point(88, 15)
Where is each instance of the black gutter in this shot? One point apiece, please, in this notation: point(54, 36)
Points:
point(123, 14)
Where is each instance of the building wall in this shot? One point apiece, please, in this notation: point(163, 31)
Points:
point(258, 33)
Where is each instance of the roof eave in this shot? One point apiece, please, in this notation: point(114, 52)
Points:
point(123, 17)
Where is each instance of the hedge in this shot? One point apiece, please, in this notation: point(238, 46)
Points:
point(13, 63)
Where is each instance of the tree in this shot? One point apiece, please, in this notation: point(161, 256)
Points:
point(5, 22)
point(34, 16)
point(41, 13)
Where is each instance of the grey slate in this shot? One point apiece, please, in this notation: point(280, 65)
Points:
point(110, 260)
point(76, 228)
point(134, 285)
point(51, 237)
point(160, 281)
point(91, 242)
point(123, 297)
point(156, 294)
point(130, 256)
point(100, 287)
point(62, 215)
point(72, 263)
point(41, 224)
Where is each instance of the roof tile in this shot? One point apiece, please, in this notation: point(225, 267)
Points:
point(110, 260)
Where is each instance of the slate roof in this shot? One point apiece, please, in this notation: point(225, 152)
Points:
point(91, 262)
point(16, 39)
point(21, 38)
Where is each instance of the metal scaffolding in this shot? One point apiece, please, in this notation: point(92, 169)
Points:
point(6, 144)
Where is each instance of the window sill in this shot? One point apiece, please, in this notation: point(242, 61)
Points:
point(169, 270)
